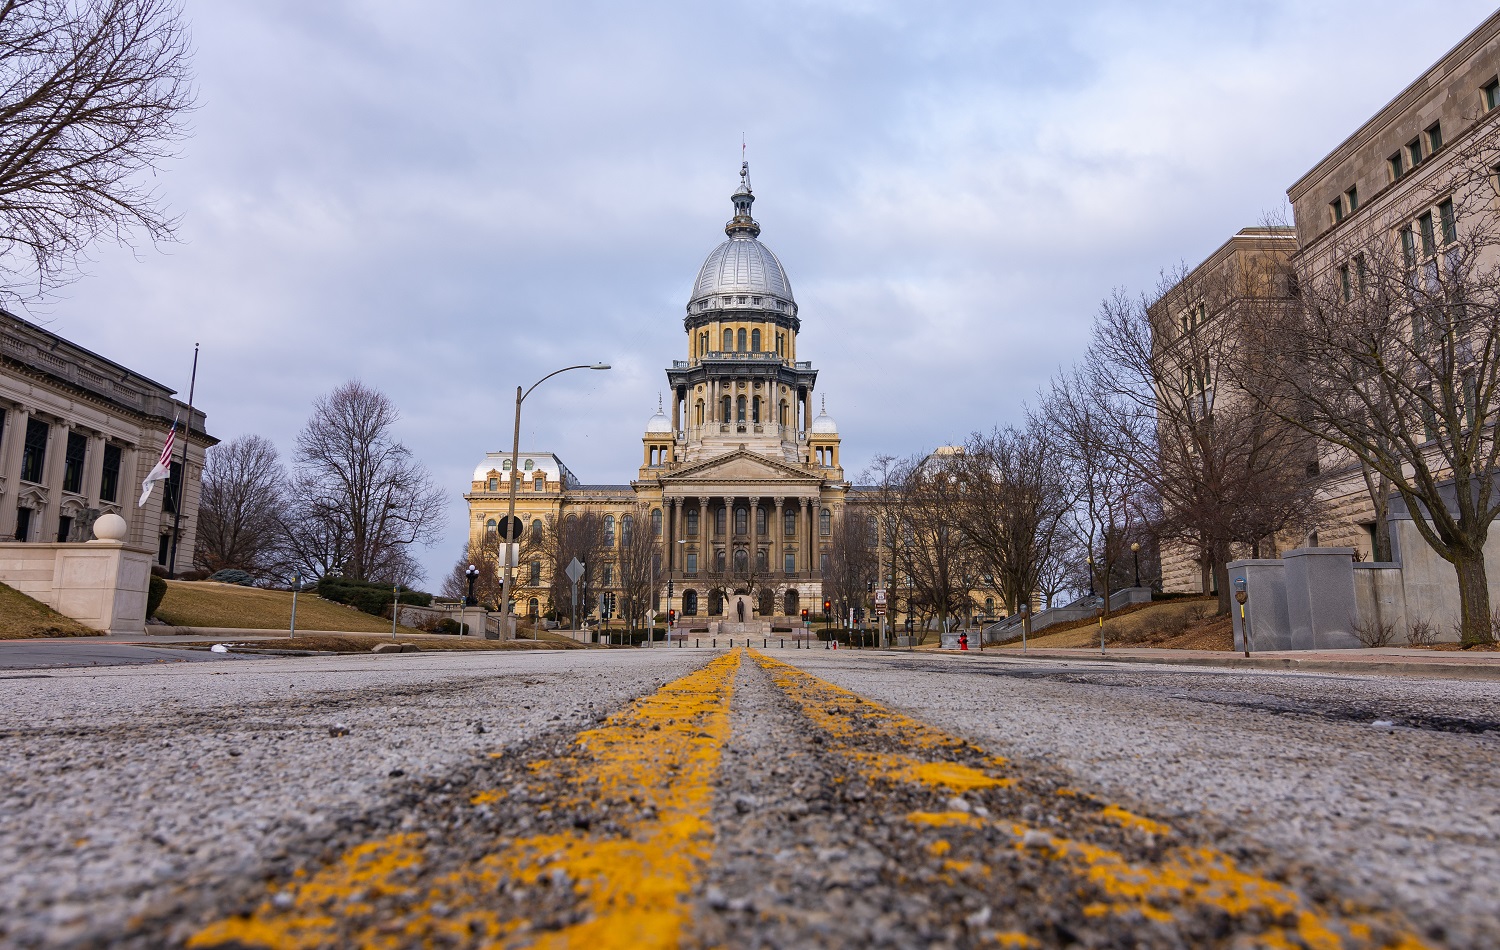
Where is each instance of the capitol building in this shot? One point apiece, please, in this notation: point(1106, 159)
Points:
point(739, 481)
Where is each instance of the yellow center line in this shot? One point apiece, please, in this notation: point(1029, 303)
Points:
point(1186, 878)
point(656, 760)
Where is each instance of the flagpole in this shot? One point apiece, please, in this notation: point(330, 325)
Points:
point(182, 482)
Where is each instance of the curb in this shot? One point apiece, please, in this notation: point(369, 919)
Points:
point(1454, 671)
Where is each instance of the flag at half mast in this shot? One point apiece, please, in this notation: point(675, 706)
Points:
point(163, 469)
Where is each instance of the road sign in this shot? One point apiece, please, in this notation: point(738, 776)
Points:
point(880, 598)
point(510, 555)
point(510, 526)
point(574, 570)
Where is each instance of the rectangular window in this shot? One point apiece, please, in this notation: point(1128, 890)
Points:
point(1395, 166)
point(174, 489)
point(823, 563)
point(609, 576)
point(34, 453)
point(1336, 210)
point(1434, 137)
point(23, 524)
point(1414, 153)
point(1353, 197)
point(1429, 236)
point(1448, 222)
point(73, 462)
point(1409, 246)
point(1429, 421)
point(789, 563)
point(692, 563)
point(163, 548)
point(692, 523)
point(64, 528)
point(1345, 284)
point(536, 573)
point(110, 479)
point(1418, 331)
point(1491, 94)
point(1471, 399)
point(789, 524)
point(1359, 273)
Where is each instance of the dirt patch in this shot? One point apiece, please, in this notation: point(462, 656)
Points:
point(1179, 624)
point(22, 618)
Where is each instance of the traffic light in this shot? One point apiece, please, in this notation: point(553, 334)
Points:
point(827, 607)
point(804, 615)
point(671, 616)
point(669, 590)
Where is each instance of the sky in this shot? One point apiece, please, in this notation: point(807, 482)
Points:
point(446, 200)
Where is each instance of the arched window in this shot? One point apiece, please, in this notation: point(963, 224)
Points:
point(627, 525)
point(656, 523)
point(763, 563)
point(490, 526)
point(740, 409)
point(989, 606)
point(692, 522)
point(532, 607)
point(755, 409)
point(789, 523)
point(505, 465)
point(742, 340)
point(530, 465)
point(791, 602)
point(609, 530)
point(494, 484)
point(741, 560)
point(700, 412)
point(715, 603)
point(725, 416)
point(719, 521)
point(536, 529)
point(719, 560)
point(760, 521)
point(741, 520)
point(690, 603)
point(755, 341)
point(728, 340)
point(781, 419)
point(825, 522)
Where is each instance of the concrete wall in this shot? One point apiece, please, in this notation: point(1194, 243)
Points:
point(100, 584)
point(1380, 598)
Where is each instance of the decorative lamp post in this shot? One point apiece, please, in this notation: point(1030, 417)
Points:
point(1135, 552)
point(510, 511)
point(1091, 575)
point(473, 575)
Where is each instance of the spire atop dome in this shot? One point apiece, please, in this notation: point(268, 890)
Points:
point(742, 224)
point(658, 422)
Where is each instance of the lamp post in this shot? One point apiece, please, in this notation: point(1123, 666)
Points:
point(510, 510)
point(1135, 552)
point(296, 586)
point(473, 575)
point(1091, 575)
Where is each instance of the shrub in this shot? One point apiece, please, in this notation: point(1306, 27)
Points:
point(192, 575)
point(368, 597)
point(1421, 634)
point(449, 625)
point(1374, 632)
point(154, 594)
point(232, 575)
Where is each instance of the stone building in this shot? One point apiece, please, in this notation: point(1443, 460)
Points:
point(78, 433)
point(1389, 184)
point(741, 483)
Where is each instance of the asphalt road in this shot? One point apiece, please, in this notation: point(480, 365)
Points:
point(777, 798)
point(56, 654)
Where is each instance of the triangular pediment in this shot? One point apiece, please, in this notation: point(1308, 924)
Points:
point(740, 466)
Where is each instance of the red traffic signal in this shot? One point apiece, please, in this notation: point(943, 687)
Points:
point(671, 616)
point(804, 613)
point(827, 606)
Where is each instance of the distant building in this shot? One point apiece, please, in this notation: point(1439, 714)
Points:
point(78, 433)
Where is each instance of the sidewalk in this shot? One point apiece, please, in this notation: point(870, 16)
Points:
point(1383, 660)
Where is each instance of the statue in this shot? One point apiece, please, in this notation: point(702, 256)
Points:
point(740, 606)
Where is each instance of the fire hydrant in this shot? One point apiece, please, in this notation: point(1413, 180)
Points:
point(963, 642)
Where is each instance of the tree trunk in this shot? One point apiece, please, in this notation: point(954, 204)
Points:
point(1473, 600)
point(1221, 576)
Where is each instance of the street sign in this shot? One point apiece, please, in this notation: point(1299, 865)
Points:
point(574, 570)
point(510, 527)
point(880, 598)
point(510, 555)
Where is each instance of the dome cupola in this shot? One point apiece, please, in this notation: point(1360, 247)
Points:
point(742, 272)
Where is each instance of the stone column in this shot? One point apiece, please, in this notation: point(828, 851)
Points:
point(93, 473)
point(810, 559)
point(777, 532)
point(10, 467)
point(130, 490)
point(754, 503)
point(52, 478)
point(703, 531)
point(728, 528)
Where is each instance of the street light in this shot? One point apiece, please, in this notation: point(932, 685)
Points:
point(1091, 575)
point(1135, 552)
point(463, 624)
point(510, 511)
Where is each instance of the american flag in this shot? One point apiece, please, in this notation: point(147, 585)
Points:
point(163, 468)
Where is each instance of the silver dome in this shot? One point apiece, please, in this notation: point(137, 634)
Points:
point(742, 265)
point(824, 424)
point(658, 423)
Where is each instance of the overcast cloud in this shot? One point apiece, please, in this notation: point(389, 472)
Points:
point(448, 199)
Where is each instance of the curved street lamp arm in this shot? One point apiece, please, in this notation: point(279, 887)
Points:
point(555, 372)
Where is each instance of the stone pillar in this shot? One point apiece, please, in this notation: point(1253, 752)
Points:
point(52, 478)
point(754, 503)
point(93, 469)
point(777, 532)
point(130, 490)
point(728, 528)
point(703, 531)
point(10, 467)
point(809, 560)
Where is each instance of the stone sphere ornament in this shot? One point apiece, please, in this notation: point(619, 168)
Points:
point(109, 527)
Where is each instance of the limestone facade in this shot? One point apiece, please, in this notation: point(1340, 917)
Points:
point(78, 433)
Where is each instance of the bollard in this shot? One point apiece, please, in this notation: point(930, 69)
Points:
point(713, 644)
point(695, 643)
point(783, 643)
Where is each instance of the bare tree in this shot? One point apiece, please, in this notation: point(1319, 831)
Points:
point(577, 535)
point(239, 514)
point(93, 94)
point(1394, 360)
point(358, 498)
point(851, 561)
point(935, 554)
point(1013, 508)
point(484, 555)
point(639, 563)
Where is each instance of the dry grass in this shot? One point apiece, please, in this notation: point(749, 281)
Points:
point(208, 604)
point(364, 643)
point(22, 618)
point(1174, 624)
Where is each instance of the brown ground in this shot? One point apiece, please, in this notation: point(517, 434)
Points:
point(1187, 624)
point(364, 643)
point(210, 604)
point(22, 618)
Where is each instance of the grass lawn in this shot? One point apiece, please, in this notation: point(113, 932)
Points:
point(1187, 624)
point(365, 642)
point(209, 604)
point(22, 618)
